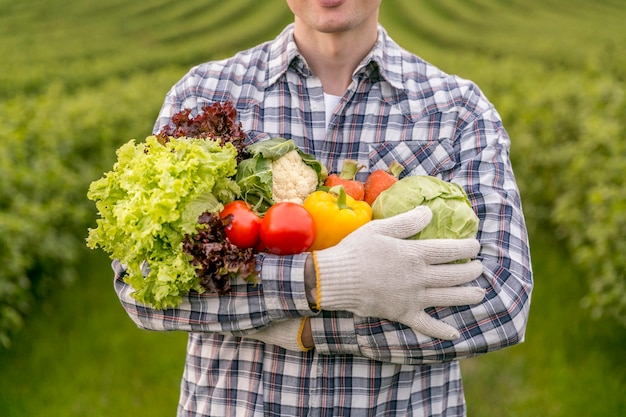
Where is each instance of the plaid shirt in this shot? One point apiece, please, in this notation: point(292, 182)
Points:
point(397, 108)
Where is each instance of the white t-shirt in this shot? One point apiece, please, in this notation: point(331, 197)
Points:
point(330, 102)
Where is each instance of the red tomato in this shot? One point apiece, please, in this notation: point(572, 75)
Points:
point(245, 226)
point(287, 228)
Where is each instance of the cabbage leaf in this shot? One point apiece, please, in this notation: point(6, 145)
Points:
point(453, 216)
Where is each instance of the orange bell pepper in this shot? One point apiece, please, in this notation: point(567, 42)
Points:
point(336, 215)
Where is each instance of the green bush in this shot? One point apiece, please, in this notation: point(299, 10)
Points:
point(569, 155)
point(55, 144)
point(590, 209)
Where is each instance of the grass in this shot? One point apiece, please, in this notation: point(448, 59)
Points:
point(569, 365)
point(82, 356)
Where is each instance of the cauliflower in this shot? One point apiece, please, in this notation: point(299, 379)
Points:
point(292, 179)
point(278, 171)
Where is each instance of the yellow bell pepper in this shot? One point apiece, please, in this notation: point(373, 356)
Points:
point(336, 215)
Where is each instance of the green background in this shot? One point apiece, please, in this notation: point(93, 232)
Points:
point(79, 78)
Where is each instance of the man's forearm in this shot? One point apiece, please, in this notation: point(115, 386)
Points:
point(310, 282)
point(310, 285)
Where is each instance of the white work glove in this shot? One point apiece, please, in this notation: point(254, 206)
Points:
point(286, 334)
point(376, 272)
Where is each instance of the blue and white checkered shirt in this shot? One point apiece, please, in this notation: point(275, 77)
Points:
point(397, 108)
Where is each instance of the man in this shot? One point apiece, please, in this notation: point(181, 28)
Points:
point(374, 326)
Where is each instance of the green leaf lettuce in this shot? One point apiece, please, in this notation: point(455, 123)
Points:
point(148, 203)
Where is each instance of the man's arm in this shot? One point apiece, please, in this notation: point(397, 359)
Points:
point(311, 296)
point(500, 319)
point(279, 296)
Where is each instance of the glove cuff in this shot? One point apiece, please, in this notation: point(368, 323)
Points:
point(337, 287)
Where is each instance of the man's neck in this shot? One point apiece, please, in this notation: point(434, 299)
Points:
point(333, 57)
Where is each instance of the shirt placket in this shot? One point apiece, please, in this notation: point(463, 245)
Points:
point(315, 390)
point(334, 135)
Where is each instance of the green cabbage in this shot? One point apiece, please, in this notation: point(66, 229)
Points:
point(453, 216)
point(150, 201)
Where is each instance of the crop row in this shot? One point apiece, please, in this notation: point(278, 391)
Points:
point(83, 44)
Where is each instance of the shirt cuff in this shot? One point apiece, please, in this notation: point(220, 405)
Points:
point(334, 333)
point(284, 292)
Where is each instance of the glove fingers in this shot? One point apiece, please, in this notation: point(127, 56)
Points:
point(432, 327)
point(448, 297)
point(451, 275)
point(403, 225)
point(442, 251)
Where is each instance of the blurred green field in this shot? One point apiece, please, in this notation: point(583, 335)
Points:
point(81, 356)
point(79, 78)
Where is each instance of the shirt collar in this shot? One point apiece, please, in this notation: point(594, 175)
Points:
point(282, 53)
point(384, 60)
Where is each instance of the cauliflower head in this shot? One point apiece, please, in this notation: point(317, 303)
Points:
point(292, 179)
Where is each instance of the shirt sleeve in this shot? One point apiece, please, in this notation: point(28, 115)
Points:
point(280, 295)
point(485, 172)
